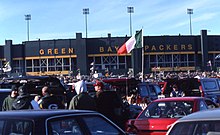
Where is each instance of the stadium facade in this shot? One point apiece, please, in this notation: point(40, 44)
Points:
point(88, 55)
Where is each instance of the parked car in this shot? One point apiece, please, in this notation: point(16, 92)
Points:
point(56, 122)
point(141, 92)
point(124, 86)
point(199, 123)
point(148, 92)
point(159, 114)
point(204, 87)
point(35, 85)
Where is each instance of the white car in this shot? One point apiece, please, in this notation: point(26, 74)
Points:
point(199, 123)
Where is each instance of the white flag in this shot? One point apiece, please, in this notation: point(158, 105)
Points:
point(92, 63)
point(7, 67)
point(217, 57)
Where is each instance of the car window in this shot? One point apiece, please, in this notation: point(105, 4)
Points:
point(78, 125)
point(152, 90)
point(167, 109)
point(16, 127)
point(64, 126)
point(202, 106)
point(196, 128)
point(101, 126)
point(219, 82)
point(210, 85)
point(158, 89)
point(183, 128)
point(143, 91)
point(210, 104)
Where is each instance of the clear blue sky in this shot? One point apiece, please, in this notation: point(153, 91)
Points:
point(62, 19)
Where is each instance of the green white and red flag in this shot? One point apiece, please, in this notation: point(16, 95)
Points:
point(134, 42)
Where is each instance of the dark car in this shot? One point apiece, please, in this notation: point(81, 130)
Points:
point(204, 87)
point(140, 91)
point(124, 86)
point(148, 91)
point(56, 122)
point(35, 84)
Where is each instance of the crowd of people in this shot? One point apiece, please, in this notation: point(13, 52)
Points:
point(152, 76)
point(20, 98)
point(108, 104)
point(102, 101)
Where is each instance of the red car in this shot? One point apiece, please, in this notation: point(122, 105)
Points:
point(158, 116)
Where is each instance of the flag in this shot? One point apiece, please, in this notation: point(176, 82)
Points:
point(209, 63)
point(217, 57)
point(92, 63)
point(134, 42)
point(7, 67)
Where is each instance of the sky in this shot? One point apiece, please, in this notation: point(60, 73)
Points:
point(62, 19)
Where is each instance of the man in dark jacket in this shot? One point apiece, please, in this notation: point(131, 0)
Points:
point(50, 101)
point(82, 101)
point(110, 104)
point(24, 100)
point(7, 103)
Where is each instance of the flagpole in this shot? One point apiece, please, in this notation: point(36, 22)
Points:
point(142, 43)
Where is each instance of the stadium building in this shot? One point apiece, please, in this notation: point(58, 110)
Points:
point(89, 55)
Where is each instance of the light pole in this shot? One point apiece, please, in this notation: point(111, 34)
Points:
point(27, 18)
point(86, 12)
point(130, 10)
point(190, 12)
point(39, 52)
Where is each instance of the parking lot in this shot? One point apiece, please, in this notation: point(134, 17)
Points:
point(137, 96)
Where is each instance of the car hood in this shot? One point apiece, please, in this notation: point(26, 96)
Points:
point(154, 123)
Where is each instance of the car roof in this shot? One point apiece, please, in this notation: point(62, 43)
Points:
point(37, 114)
point(208, 79)
point(121, 81)
point(148, 83)
point(31, 79)
point(36, 83)
point(210, 114)
point(27, 77)
point(4, 90)
point(179, 99)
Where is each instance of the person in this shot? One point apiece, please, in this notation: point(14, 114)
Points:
point(7, 103)
point(24, 100)
point(82, 101)
point(98, 86)
point(50, 101)
point(176, 92)
point(110, 104)
point(70, 94)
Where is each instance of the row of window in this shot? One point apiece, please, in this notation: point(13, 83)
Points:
point(106, 62)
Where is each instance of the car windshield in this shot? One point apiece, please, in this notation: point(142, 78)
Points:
point(196, 128)
point(172, 109)
point(73, 126)
point(210, 85)
point(16, 127)
point(158, 89)
point(143, 91)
